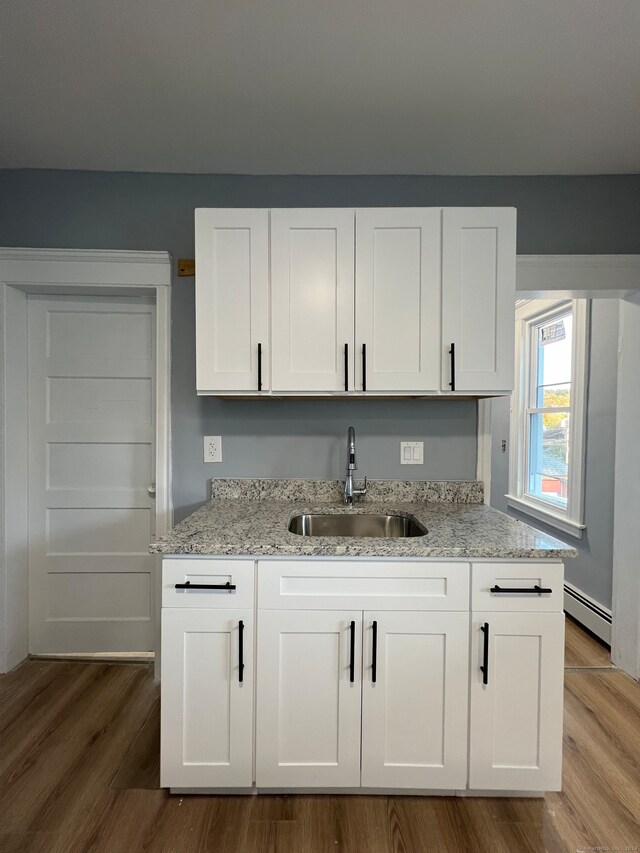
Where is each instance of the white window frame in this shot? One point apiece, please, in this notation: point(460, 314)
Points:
point(529, 314)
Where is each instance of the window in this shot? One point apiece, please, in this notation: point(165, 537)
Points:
point(547, 419)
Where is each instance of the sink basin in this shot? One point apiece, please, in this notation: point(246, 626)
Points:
point(361, 524)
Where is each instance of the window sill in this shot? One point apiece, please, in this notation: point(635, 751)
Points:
point(566, 525)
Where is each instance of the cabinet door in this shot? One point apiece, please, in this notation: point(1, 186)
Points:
point(516, 717)
point(398, 299)
point(312, 279)
point(308, 709)
point(206, 709)
point(478, 297)
point(232, 300)
point(414, 715)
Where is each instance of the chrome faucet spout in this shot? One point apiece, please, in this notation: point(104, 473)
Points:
point(350, 491)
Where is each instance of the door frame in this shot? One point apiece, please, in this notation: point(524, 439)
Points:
point(58, 272)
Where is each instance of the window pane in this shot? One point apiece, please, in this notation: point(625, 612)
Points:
point(554, 395)
point(553, 356)
point(549, 457)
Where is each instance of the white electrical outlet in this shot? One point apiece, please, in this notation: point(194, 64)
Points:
point(213, 448)
point(411, 452)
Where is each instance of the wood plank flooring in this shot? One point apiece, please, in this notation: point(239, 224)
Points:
point(582, 649)
point(79, 773)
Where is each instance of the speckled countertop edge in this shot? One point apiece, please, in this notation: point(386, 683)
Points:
point(259, 528)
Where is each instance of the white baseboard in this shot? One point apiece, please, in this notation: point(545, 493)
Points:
point(588, 612)
point(102, 657)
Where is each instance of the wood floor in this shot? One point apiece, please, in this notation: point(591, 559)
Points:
point(79, 772)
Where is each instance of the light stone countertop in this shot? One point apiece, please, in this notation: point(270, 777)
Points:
point(251, 517)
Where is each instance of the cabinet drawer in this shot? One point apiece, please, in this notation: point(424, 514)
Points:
point(207, 573)
point(485, 577)
point(335, 585)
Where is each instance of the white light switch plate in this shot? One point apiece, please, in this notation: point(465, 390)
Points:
point(213, 448)
point(411, 452)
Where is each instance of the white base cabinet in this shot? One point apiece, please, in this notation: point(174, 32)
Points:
point(207, 698)
point(308, 700)
point(415, 700)
point(380, 675)
point(516, 716)
point(315, 692)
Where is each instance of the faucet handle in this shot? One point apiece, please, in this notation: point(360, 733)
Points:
point(362, 491)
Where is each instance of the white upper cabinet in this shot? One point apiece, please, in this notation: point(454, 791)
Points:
point(312, 280)
point(398, 299)
point(232, 300)
point(478, 298)
point(375, 301)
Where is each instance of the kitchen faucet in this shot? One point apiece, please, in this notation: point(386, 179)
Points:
point(350, 491)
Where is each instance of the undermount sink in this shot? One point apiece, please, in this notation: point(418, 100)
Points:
point(360, 524)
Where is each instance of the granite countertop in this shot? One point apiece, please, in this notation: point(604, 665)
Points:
point(251, 517)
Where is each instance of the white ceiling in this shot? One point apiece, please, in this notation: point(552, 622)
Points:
point(322, 86)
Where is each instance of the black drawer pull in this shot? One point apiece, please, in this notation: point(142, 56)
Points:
point(452, 353)
point(364, 367)
point(228, 587)
point(534, 590)
point(241, 651)
point(259, 367)
point(484, 669)
point(346, 367)
point(374, 654)
point(352, 653)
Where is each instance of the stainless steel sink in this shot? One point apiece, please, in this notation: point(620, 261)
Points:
point(360, 524)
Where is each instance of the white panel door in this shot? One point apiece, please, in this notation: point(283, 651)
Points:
point(308, 708)
point(398, 299)
point(415, 700)
point(478, 298)
point(207, 698)
point(516, 717)
point(91, 462)
point(232, 300)
point(312, 281)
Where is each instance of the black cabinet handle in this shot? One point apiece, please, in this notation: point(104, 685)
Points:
point(259, 367)
point(484, 669)
point(241, 651)
point(364, 367)
point(228, 587)
point(374, 654)
point(452, 353)
point(352, 653)
point(346, 367)
point(534, 590)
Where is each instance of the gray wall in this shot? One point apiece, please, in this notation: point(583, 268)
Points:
point(96, 210)
point(592, 571)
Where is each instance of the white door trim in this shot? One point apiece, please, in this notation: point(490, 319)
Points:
point(55, 272)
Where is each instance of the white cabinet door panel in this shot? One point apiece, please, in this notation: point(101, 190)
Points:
point(232, 299)
point(308, 709)
point(478, 297)
point(516, 717)
point(312, 282)
point(414, 720)
point(398, 298)
point(206, 710)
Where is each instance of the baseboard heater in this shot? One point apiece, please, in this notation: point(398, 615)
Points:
point(588, 612)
